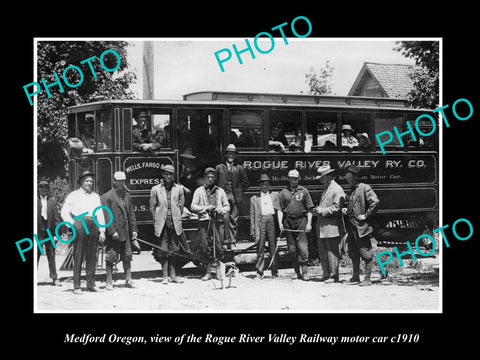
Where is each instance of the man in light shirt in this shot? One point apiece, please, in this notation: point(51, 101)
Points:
point(262, 225)
point(78, 209)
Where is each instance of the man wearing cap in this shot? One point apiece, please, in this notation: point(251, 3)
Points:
point(211, 204)
point(364, 142)
point(229, 170)
point(362, 205)
point(78, 209)
point(348, 140)
point(166, 206)
point(295, 217)
point(262, 224)
point(47, 218)
point(122, 231)
point(330, 226)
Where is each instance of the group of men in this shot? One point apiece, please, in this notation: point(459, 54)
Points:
point(290, 211)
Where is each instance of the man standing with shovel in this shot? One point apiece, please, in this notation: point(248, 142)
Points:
point(295, 218)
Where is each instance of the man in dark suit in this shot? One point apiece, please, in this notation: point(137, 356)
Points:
point(229, 170)
point(262, 224)
point(47, 218)
point(362, 205)
point(122, 231)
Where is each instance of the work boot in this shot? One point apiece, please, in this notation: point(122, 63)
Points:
point(355, 279)
point(365, 282)
point(208, 274)
point(109, 287)
point(173, 276)
point(305, 276)
point(129, 284)
point(165, 272)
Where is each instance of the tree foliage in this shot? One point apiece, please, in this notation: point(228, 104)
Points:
point(54, 57)
point(426, 75)
point(320, 83)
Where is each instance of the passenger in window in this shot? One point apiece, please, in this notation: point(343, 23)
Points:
point(327, 136)
point(296, 144)
point(348, 140)
point(247, 138)
point(160, 139)
point(141, 134)
point(87, 138)
point(184, 135)
point(363, 142)
point(277, 140)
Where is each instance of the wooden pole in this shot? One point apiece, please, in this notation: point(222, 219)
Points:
point(148, 74)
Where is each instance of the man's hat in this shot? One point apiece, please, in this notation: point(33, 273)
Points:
point(187, 154)
point(293, 173)
point(44, 183)
point(353, 169)
point(119, 175)
point(347, 127)
point(142, 114)
point(168, 168)
point(365, 135)
point(84, 174)
point(231, 148)
point(264, 177)
point(324, 170)
point(209, 170)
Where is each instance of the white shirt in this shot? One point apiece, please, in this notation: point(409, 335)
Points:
point(43, 200)
point(266, 204)
point(79, 202)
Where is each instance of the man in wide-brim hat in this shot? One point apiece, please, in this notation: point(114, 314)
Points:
point(330, 227)
point(361, 208)
point(88, 234)
point(348, 140)
point(122, 231)
point(230, 170)
point(262, 224)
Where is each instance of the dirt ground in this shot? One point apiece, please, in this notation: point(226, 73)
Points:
point(412, 289)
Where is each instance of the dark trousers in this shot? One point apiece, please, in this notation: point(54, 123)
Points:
point(206, 231)
point(168, 242)
point(329, 253)
point(297, 241)
point(359, 248)
point(267, 232)
point(50, 252)
point(85, 247)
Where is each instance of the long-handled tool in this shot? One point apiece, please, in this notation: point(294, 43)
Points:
point(171, 252)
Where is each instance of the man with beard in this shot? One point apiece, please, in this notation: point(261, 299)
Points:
point(78, 210)
point(121, 231)
point(166, 206)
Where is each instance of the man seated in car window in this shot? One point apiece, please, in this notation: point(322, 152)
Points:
point(348, 140)
point(327, 135)
point(141, 134)
point(86, 136)
point(277, 140)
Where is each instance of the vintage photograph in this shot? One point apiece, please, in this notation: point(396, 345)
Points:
point(210, 175)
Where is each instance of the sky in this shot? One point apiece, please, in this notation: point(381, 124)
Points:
point(188, 65)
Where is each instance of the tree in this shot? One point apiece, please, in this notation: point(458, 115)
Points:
point(54, 57)
point(321, 83)
point(426, 75)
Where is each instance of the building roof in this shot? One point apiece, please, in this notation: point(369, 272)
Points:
point(394, 79)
